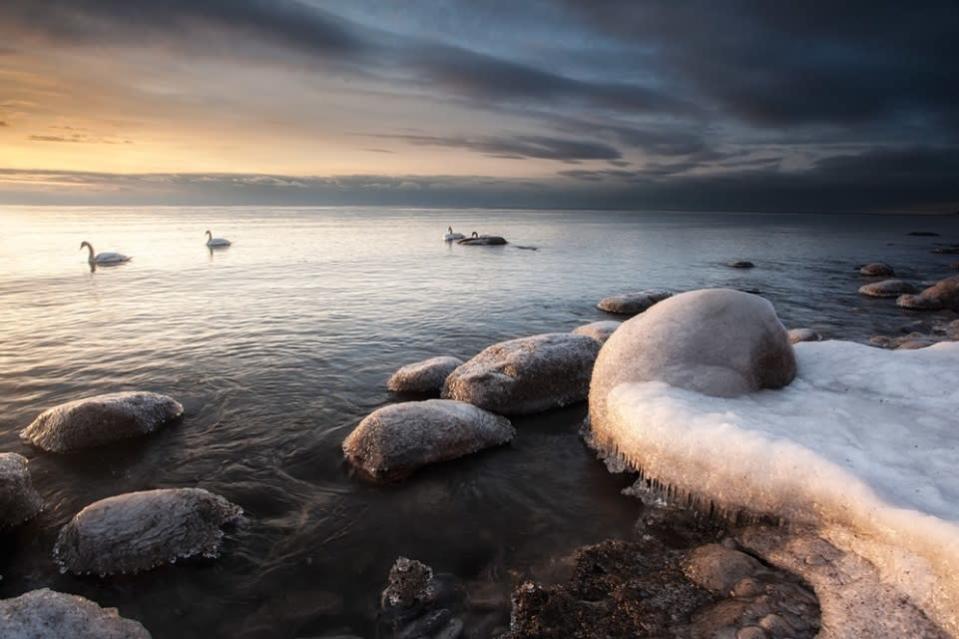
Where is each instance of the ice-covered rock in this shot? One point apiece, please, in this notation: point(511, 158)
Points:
point(423, 377)
point(526, 375)
point(599, 331)
point(887, 288)
point(396, 440)
point(47, 614)
point(633, 303)
point(99, 420)
point(876, 269)
point(483, 240)
point(944, 294)
point(19, 501)
point(797, 335)
point(139, 531)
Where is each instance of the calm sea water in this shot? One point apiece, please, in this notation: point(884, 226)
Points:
point(279, 345)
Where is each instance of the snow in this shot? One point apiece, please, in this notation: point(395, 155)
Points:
point(861, 445)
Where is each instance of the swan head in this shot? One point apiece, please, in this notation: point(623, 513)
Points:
point(208, 234)
point(449, 229)
point(475, 234)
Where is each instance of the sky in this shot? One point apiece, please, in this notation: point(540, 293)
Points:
point(698, 105)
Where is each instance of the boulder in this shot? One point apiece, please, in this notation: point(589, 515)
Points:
point(887, 288)
point(423, 377)
point(741, 264)
point(47, 614)
point(18, 499)
point(139, 531)
point(526, 375)
point(633, 303)
point(952, 249)
point(483, 240)
point(599, 331)
point(99, 420)
point(923, 234)
point(876, 269)
point(944, 294)
point(797, 335)
point(395, 440)
point(718, 568)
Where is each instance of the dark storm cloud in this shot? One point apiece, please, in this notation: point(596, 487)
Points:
point(521, 147)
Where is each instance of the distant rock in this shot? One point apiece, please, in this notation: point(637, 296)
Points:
point(99, 420)
point(426, 376)
point(395, 440)
point(47, 614)
point(741, 264)
point(526, 375)
point(633, 303)
point(599, 331)
point(797, 335)
point(923, 234)
point(138, 531)
point(876, 269)
point(887, 288)
point(944, 294)
point(949, 249)
point(483, 240)
point(18, 499)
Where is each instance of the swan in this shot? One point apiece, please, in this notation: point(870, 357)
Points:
point(450, 235)
point(104, 259)
point(216, 241)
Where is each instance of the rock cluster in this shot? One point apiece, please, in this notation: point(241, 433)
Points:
point(944, 294)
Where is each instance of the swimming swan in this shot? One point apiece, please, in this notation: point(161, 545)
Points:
point(450, 235)
point(104, 259)
point(216, 241)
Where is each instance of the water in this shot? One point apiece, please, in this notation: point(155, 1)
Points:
point(279, 345)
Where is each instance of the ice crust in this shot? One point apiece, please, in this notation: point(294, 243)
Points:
point(47, 614)
point(19, 500)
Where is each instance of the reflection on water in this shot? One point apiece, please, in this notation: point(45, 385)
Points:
point(279, 345)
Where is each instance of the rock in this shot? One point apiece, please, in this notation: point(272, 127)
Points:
point(718, 569)
point(910, 341)
point(395, 440)
point(139, 531)
point(944, 294)
point(452, 630)
point(423, 377)
point(633, 303)
point(483, 240)
point(526, 375)
point(410, 583)
point(876, 269)
point(797, 335)
point(741, 264)
point(952, 249)
point(19, 501)
point(887, 288)
point(599, 331)
point(47, 614)
point(99, 420)
point(426, 625)
point(923, 234)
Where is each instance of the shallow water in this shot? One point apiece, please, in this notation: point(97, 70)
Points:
point(280, 344)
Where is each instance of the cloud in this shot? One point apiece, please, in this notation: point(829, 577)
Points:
point(520, 147)
point(78, 138)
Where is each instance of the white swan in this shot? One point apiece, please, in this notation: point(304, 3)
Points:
point(451, 236)
point(104, 259)
point(214, 242)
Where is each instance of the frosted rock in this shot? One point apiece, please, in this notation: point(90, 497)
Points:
point(876, 269)
point(47, 614)
point(142, 530)
point(18, 499)
point(887, 288)
point(633, 303)
point(944, 294)
point(99, 420)
point(797, 335)
point(717, 568)
point(526, 375)
point(410, 583)
point(423, 377)
point(599, 331)
point(396, 440)
point(482, 240)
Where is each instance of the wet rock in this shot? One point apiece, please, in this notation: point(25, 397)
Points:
point(483, 240)
point(633, 303)
point(887, 288)
point(717, 568)
point(923, 234)
point(526, 375)
point(19, 501)
point(426, 625)
point(99, 420)
point(423, 377)
point(395, 440)
point(876, 269)
point(453, 630)
point(944, 294)
point(797, 335)
point(741, 264)
point(47, 614)
point(409, 584)
point(599, 331)
point(141, 530)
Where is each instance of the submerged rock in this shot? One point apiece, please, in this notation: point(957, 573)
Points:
point(423, 377)
point(944, 294)
point(139, 531)
point(923, 234)
point(483, 240)
point(99, 420)
point(19, 501)
point(633, 303)
point(599, 331)
point(876, 269)
point(797, 335)
point(47, 614)
point(887, 288)
point(741, 264)
point(395, 440)
point(526, 375)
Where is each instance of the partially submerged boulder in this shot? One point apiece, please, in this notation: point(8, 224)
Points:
point(483, 240)
point(633, 303)
point(887, 288)
point(797, 335)
point(740, 264)
point(526, 375)
point(599, 331)
point(876, 269)
point(47, 614)
point(944, 294)
point(141, 530)
point(94, 421)
point(396, 440)
point(19, 501)
point(423, 377)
